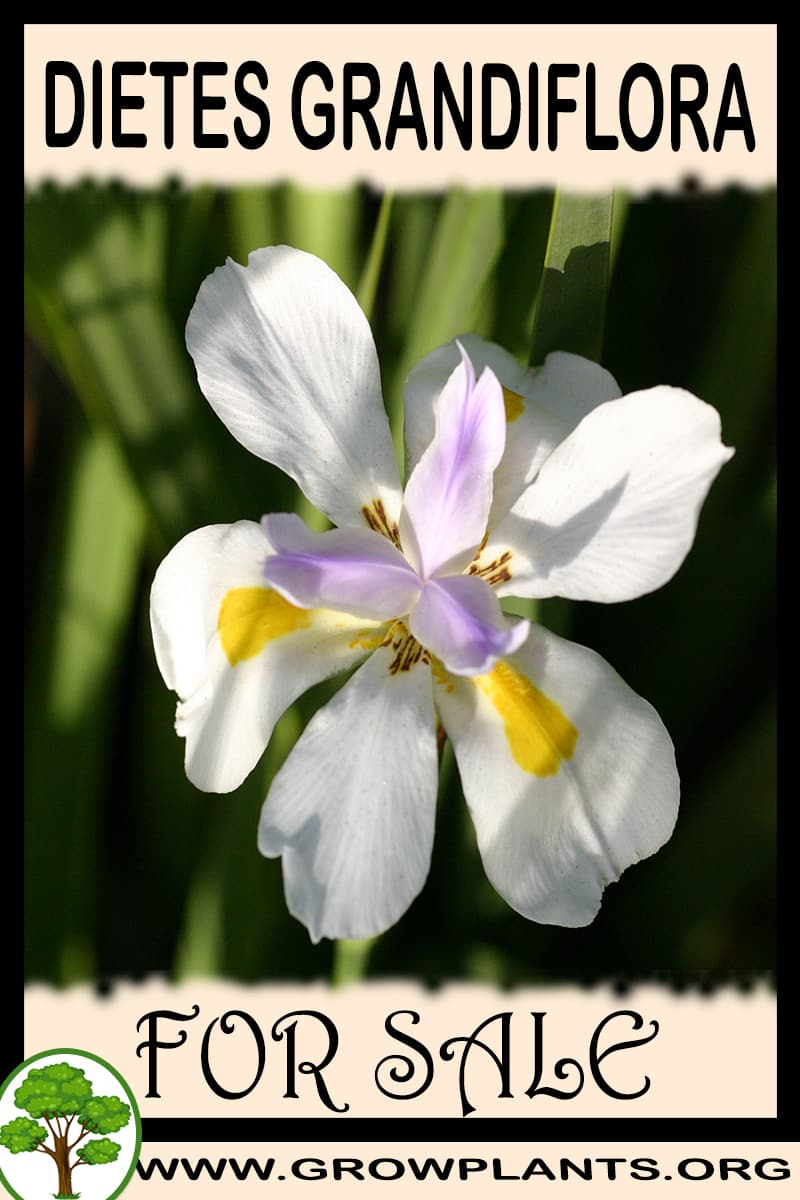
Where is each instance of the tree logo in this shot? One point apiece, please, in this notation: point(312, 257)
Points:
point(71, 1101)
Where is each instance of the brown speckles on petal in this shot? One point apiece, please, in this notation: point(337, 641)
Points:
point(375, 516)
point(409, 652)
point(497, 570)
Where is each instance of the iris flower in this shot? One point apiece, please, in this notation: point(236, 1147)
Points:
point(520, 482)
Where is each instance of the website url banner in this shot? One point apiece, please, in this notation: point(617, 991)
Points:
point(346, 1168)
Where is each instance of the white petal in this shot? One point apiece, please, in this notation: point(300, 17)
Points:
point(570, 387)
point(286, 359)
point(236, 653)
point(614, 510)
point(543, 405)
point(569, 776)
point(352, 809)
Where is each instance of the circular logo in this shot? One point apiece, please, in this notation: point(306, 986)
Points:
point(69, 1127)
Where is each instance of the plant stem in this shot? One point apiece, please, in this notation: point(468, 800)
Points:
point(350, 958)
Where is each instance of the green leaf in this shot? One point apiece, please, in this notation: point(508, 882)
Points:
point(571, 305)
point(254, 220)
point(736, 367)
point(101, 1151)
point(368, 284)
point(105, 1114)
point(57, 1088)
point(84, 598)
point(455, 272)
point(22, 1134)
point(569, 313)
point(519, 269)
point(326, 224)
point(92, 299)
point(466, 242)
point(413, 227)
point(234, 888)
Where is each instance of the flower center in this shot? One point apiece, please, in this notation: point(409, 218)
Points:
point(409, 650)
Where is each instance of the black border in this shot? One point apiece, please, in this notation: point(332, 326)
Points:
point(455, 1129)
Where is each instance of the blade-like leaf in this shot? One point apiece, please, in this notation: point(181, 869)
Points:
point(458, 262)
point(570, 311)
point(253, 219)
point(571, 305)
point(106, 327)
point(84, 598)
point(326, 224)
point(368, 284)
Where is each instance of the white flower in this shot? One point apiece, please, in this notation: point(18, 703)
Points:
point(520, 483)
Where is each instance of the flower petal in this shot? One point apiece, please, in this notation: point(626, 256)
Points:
point(352, 809)
point(569, 775)
point(460, 621)
point(449, 494)
point(543, 405)
point(354, 570)
point(236, 652)
point(286, 359)
point(614, 509)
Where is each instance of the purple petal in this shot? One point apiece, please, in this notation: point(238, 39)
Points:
point(351, 570)
point(460, 621)
point(449, 494)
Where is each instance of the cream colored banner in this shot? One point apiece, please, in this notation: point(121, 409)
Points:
point(344, 1168)
point(396, 1050)
point(403, 106)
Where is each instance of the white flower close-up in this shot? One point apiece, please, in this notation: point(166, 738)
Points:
point(520, 482)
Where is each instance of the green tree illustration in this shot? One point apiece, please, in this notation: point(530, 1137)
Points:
point(61, 1096)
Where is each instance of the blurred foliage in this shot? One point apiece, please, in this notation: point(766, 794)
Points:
point(130, 870)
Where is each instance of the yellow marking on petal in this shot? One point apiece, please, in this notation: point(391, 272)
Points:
point(249, 617)
point(441, 676)
point(540, 737)
point(366, 640)
point(514, 404)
